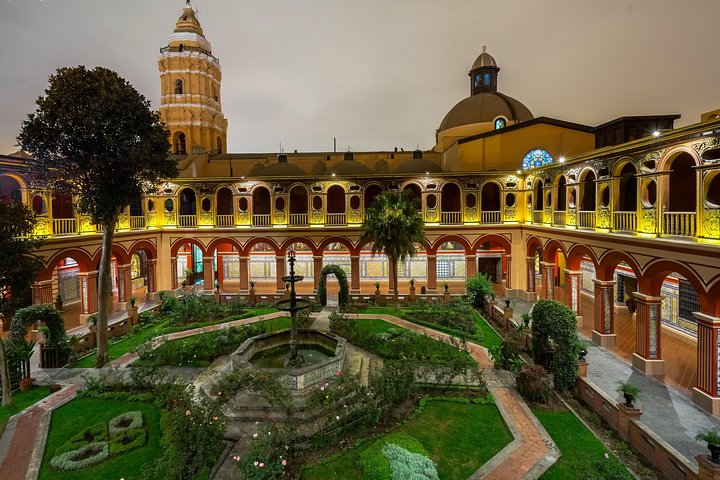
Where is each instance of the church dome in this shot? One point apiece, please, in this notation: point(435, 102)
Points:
point(418, 165)
point(485, 107)
point(281, 169)
point(348, 167)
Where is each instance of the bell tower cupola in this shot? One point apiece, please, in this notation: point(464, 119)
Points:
point(483, 74)
point(190, 79)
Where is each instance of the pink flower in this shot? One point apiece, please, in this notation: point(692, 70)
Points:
point(338, 373)
point(284, 462)
point(262, 465)
point(187, 413)
point(254, 435)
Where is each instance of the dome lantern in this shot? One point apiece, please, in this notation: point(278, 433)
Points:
point(483, 74)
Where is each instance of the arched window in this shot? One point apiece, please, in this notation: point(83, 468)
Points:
point(178, 87)
point(536, 158)
point(500, 123)
point(219, 145)
point(180, 144)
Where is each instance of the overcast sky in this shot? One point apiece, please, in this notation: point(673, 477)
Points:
point(379, 73)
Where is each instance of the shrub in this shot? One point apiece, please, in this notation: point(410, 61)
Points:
point(126, 421)
point(194, 308)
point(90, 454)
point(456, 315)
point(554, 323)
point(477, 288)
point(533, 383)
point(128, 440)
point(407, 465)
point(93, 434)
point(373, 462)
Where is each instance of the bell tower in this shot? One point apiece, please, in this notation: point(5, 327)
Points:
point(190, 90)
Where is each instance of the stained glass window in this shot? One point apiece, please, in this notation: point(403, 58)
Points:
point(536, 158)
point(499, 123)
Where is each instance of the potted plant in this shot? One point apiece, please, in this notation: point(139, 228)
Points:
point(377, 287)
point(26, 384)
point(58, 303)
point(189, 276)
point(132, 301)
point(446, 285)
point(44, 332)
point(412, 283)
point(507, 303)
point(24, 351)
point(252, 284)
point(712, 437)
point(92, 322)
point(629, 392)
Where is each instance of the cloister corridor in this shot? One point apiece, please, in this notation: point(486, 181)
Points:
point(678, 350)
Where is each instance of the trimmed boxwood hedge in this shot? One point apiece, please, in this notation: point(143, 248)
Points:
point(67, 461)
point(373, 462)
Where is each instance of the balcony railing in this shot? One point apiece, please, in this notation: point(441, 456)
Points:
point(559, 218)
point(586, 219)
point(64, 226)
point(625, 221)
point(261, 220)
point(224, 220)
point(538, 216)
point(137, 222)
point(451, 218)
point(298, 219)
point(188, 220)
point(335, 219)
point(679, 223)
point(491, 217)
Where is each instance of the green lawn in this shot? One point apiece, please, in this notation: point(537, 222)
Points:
point(21, 400)
point(580, 449)
point(460, 437)
point(143, 333)
point(79, 414)
point(485, 335)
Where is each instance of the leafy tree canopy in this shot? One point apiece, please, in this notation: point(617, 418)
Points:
point(394, 225)
point(94, 136)
point(18, 265)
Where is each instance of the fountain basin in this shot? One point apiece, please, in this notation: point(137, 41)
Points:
point(261, 351)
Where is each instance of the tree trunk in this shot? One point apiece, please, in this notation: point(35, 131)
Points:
point(394, 283)
point(5, 376)
point(104, 289)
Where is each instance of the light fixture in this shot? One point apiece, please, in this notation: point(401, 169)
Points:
point(427, 173)
point(333, 174)
point(519, 172)
point(561, 159)
point(656, 133)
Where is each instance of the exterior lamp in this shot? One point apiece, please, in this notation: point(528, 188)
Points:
point(656, 133)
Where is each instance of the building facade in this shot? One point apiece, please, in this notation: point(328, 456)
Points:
point(620, 221)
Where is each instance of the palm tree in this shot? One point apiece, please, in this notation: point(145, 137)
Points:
point(393, 225)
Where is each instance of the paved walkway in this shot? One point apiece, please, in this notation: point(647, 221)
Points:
point(667, 410)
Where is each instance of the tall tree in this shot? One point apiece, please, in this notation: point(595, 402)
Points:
point(93, 136)
point(18, 266)
point(394, 225)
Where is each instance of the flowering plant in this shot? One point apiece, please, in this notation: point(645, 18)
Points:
point(267, 455)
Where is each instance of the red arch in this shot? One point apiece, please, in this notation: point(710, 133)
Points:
point(82, 258)
point(493, 238)
point(656, 272)
point(576, 254)
point(304, 240)
point(533, 243)
point(254, 241)
point(450, 238)
point(145, 245)
point(182, 241)
point(354, 250)
point(118, 251)
point(712, 305)
point(550, 249)
point(219, 241)
point(609, 262)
